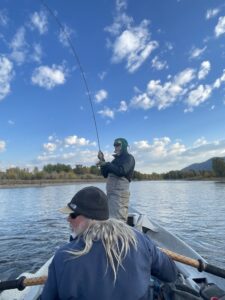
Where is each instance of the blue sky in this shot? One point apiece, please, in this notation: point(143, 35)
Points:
point(155, 71)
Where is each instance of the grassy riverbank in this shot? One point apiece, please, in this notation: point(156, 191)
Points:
point(46, 182)
point(4, 184)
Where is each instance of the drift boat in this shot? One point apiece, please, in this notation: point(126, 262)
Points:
point(189, 285)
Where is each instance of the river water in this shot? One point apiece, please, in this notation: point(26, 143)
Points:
point(31, 228)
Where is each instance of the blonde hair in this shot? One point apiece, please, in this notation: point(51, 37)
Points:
point(117, 238)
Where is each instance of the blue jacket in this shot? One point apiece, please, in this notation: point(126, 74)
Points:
point(85, 278)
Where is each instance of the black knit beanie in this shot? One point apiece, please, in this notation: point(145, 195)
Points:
point(90, 202)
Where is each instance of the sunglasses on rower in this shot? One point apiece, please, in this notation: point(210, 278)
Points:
point(73, 215)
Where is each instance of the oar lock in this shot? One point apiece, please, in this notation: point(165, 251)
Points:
point(201, 266)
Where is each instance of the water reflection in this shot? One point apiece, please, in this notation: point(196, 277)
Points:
point(31, 228)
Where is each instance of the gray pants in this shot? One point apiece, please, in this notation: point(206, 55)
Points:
point(118, 196)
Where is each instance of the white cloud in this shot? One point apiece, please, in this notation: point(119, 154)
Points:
point(19, 46)
point(65, 35)
point(123, 106)
point(121, 4)
point(197, 52)
point(159, 65)
point(6, 75)
point(101, 95)
point(142, 101)
point(107, 112)
point(176, 149)
point(165, 95)
point(212, 13)
point(199, 95)
point(59, 150)
point(204, 69)
point(169, 46)
point(199, 142)
point(50, 147)
point(51, 137)
point(49, 77)
point(2, 145)
point(37, 53)
point(83, 157)
point(142, 145)
point(219, 80)
point(158, 150)
point(120, 21)
point(102, 75)
point(39, 21)
point(163, 154)
point(134, 46)
point(47, 158)
point(220, 27)
point(184, 77)
point(74, 140)
point(178, 88)
point(3, 17)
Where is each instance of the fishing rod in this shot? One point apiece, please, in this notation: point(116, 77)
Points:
point(23, 282)
point(78, 63)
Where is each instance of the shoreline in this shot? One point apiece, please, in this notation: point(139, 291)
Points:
point(43, 183)
point(6, 184)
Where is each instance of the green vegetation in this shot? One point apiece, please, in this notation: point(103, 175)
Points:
point(51, 172)
point(65, 173)
point(218, 165)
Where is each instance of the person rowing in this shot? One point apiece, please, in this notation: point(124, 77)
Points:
point(107, 259)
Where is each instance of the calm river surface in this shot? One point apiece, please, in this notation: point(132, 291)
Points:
point(31, 228)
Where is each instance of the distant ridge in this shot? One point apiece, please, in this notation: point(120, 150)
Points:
point(204, 166)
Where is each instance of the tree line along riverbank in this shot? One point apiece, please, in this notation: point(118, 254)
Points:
point(62, 174)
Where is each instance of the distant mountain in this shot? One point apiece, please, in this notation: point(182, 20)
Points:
point(204, 166)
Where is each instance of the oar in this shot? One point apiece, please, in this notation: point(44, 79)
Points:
point(198, 264)
point(23, 282)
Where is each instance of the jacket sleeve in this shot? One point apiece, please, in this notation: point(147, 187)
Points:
point(162, 267)
point(121, 169)
point(50, 291)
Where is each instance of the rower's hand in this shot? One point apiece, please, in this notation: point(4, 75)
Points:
point(101, 156)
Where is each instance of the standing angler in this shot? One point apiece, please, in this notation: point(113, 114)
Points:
point(118, 173)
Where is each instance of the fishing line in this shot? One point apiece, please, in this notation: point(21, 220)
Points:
point(78, 63)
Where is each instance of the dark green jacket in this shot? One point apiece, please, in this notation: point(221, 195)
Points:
point(122, 166)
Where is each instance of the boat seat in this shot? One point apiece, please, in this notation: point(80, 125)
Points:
point(141, 222)
point(135, 220)
point(132, 219)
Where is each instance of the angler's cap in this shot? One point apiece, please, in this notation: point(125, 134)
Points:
point(90, 202)
point(121, 141)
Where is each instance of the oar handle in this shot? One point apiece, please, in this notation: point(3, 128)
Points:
point(181, 258)
point(34, 281)
point(12, 284)
point(198, 264)
point(21, 283)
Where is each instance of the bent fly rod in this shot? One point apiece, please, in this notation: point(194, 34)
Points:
point(78, 63)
